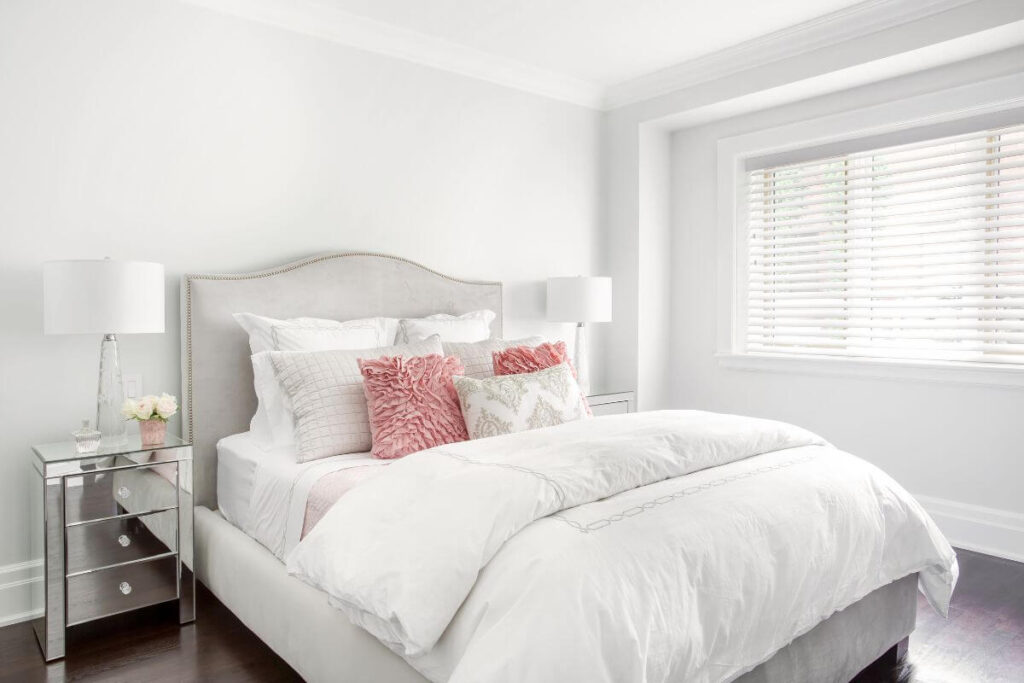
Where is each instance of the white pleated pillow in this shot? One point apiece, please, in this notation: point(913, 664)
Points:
point(272, 424)
point(326, 393)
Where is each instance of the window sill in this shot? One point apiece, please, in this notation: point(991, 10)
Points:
point(946, 373)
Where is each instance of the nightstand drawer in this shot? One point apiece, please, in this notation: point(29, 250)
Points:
point(118, 589)
point(618, 403)
point(101, 544)
point(617, 408)
point(109, 493)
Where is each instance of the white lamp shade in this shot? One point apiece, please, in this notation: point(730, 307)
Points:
point(101, 297)
point(580, 299)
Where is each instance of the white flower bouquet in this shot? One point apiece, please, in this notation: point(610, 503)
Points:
point(162, 407)
point(152, 412)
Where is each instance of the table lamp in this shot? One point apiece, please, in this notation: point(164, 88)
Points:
point(109, 298)
point(580, 300)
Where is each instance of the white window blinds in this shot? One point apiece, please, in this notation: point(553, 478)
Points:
point(907, 252)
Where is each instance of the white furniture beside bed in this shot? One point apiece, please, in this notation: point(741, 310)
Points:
point(612, 404)
point(296, 619)
point(115, 531)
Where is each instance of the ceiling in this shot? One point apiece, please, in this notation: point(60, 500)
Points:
point(602, 42)
point(606, 54)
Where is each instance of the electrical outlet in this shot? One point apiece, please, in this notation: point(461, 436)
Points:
point(132, 386)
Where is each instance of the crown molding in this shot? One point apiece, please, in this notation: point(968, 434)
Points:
point(316, 19)
point(329, 23)
point(856, 21)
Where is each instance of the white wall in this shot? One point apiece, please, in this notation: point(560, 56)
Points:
point(947, 443)
point(956, 447)
point(740, 85)
point(156, 130)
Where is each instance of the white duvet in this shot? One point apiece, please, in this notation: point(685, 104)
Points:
point(664, 546)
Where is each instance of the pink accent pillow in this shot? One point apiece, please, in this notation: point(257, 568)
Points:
point(412, 403)
point(519, 360)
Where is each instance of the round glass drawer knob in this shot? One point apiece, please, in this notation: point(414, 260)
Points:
point(123, 492)
point(125, 587)
point(124, 541)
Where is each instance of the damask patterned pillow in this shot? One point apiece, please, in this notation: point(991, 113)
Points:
point(515, 403)
point(516, 360)
point(412, 403)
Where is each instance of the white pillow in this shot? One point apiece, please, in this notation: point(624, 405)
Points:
point(317, 338)
point(326, 393)
point(476, 356)
point(471, 327)
point(312, 334)
point(272, 424)
point(515, 403)
point(391, 330)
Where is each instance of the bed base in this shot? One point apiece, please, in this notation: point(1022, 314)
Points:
point(891, 666)
point(848, 642)
point(320, 643)
point(895, 654)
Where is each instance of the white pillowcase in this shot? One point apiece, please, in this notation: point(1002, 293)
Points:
point(326, 393)
point(391, 330)
point(312, 334)
point(471, 327)
point(316, 338)
point(476, 356)
point(272, 425)
point(515, 403)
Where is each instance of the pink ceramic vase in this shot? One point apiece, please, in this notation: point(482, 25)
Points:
point(152, 431)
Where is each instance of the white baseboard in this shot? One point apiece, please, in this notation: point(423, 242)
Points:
point(19, 583)
point(975, 527)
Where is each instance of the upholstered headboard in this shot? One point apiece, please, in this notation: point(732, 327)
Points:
point(218, 396)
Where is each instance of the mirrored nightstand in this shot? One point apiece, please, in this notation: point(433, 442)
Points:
point(115, 533)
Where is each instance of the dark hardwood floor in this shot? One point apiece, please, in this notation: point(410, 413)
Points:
point(983, 640)
point(148, 646)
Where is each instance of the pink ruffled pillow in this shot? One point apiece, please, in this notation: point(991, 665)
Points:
point(412, 403)
point(519, 360)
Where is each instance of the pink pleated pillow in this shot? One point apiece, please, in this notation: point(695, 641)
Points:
point(412, 403)
point(520, 360)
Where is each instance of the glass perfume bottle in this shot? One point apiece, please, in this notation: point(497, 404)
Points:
point(87, 439)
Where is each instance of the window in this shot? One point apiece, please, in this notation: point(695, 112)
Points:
point(909, 252)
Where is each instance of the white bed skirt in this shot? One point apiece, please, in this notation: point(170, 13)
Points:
point(322, 645)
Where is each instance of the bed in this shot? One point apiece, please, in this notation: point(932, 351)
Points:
point(294, 618)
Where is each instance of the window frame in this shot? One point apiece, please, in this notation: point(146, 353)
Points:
point(933, 115)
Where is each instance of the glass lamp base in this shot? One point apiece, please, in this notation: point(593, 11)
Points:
point(110, 396)
point(582, 359)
